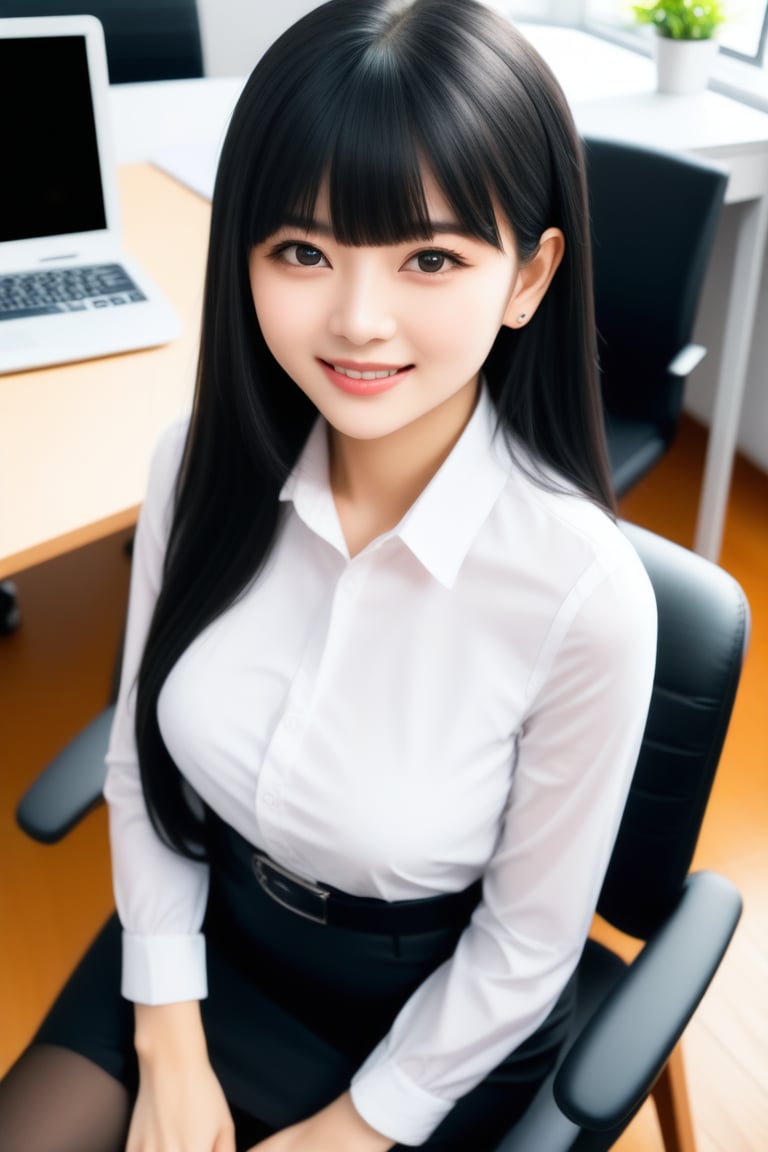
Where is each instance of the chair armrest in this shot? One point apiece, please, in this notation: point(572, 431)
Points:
point(618, 1056)
point(686, 360)
point(541, 1128)
point(70, 786)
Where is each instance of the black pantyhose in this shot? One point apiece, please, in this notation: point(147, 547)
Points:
point(55, 1100)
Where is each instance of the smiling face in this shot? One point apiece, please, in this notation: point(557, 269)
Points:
point(381, 337)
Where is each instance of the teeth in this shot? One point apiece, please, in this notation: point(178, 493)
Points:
point(365, 375)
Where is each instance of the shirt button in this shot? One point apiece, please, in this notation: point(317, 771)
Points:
point(270, 799)
point(292, 721)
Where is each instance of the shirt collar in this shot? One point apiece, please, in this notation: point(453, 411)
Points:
point(441, 526)
point(308, 488)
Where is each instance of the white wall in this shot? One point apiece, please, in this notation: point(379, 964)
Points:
point(237, 32)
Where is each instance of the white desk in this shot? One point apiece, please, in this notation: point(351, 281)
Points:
point(612, 94)
point(611, 90)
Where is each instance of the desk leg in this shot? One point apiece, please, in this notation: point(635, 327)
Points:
point(737, 339)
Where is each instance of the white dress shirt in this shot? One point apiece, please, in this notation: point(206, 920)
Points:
point(464, 697)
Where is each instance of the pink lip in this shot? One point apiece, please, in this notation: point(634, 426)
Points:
point(363, 387)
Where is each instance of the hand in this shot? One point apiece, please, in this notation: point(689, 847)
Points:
point(178, 1112)
point(337, 1128)
point(180, 1106)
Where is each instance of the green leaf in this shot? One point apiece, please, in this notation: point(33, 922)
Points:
point(682, 19)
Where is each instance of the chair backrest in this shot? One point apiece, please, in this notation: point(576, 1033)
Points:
point(654, 217)
point(145, 39)
point(703, 630)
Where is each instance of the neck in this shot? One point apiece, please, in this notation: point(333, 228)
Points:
point(375, 482)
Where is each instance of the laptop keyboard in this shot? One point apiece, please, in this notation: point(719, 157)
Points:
point(66, 290)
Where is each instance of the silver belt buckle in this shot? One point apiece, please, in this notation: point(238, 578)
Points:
point(294, 893)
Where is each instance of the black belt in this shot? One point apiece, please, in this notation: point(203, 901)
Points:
point(329, 906)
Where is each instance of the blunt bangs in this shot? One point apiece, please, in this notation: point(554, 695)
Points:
point(354, 141)
point(373, 114)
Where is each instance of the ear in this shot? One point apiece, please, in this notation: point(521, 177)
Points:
point(534, 278)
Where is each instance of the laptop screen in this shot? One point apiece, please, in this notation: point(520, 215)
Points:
point(51, 183)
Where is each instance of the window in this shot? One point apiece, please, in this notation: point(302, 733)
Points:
point(742, 67)
point(744, 35)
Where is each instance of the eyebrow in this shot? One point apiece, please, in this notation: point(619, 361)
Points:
point(320, 228)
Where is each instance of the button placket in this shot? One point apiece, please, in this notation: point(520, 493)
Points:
point(281, 769)
point(277, 770)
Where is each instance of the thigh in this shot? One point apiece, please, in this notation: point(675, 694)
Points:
point(90, 1017)
point(55, 1100)
point(72, 1089)
point(271, 1064)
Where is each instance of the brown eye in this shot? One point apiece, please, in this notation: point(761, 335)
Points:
point(307, 255)
point(431, 261)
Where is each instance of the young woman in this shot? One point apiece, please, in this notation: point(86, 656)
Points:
point(388, 655)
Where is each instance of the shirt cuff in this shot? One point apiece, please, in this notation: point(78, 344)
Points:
point(164, 969)
point(392, 1104)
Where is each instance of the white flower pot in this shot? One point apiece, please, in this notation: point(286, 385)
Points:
point(683, 67)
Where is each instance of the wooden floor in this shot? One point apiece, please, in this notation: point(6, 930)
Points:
point(54, 676)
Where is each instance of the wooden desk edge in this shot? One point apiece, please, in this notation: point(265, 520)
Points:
point(181, 280)
point(78, 538)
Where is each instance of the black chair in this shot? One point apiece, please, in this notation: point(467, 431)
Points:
point(146, 39)
point(10, 616)
point(654, 218)
point(629, 1017)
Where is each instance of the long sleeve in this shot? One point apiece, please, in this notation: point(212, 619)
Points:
point(464, 697)
point(575, 755)
point(160, 895)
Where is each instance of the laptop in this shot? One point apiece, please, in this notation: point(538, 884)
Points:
point(67, 289)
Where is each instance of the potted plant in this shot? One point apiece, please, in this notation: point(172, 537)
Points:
point(686, 40)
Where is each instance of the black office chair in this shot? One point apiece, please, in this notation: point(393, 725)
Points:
point(146, 39)
point(654, 218)
point(629, 1018)
point(10, 616)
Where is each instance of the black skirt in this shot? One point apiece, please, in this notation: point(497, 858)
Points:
point(294, 1007)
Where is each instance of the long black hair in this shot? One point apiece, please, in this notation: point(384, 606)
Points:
point(368, 95)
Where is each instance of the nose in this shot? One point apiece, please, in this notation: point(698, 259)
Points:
point(362, 309)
